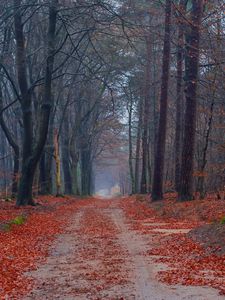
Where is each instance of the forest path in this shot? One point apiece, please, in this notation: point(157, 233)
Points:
point(100, 257)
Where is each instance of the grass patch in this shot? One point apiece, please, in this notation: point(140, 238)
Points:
point(19, 220)
point(222, 221)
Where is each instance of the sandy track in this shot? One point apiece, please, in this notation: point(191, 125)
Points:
point(101, 257)
point(144, 269)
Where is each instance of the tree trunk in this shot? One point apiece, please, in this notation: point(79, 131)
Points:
point(42, 175)
point(146, 116)
point(157, 188)
point(138, 148)
point(201, 181)
point(49, 153)
point(31, 153)
point(191, 78)
point(76, 189)
point(74, 162)
point(149, 181)
point(57, 163)
point(179, 99)
point(66, 157)
point(130, 110)
point(46, 173)
point(86, 170)
point(25, 187)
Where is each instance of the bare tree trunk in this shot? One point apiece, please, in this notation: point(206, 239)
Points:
point(31, 153)
point(49, 152)
point(201, 180)
point(146, 111)
point(86, 170)
point(138, 147)
point(75, 159)
point(46, 173)
point(25, 188)
point(130, 110)
point(57, 163)
point(42, 175)
point(157, 188)
point(179, 99)
point(149, 181)
point(74, 154)
point(66, 156)
point(191, 77)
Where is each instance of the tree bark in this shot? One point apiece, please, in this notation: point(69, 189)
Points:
point(146, 111)
point(138, 148)
point(31, 152)
point(157, 188)
point(66, 157)
point(130, 110)
point(46, 186)
point(201, 180)
point(179, 99)
point(191, 78)
point(27, 173)
point(74, 154)
point(75, 158)
point(42, 175)
point(57, 163)
point(86, 171)
point(49, 153)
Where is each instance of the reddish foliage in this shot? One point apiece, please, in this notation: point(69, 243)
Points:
point(208, 210)
point(97, 260)
point(99, 239)
point(188, 262)
point(23, 246)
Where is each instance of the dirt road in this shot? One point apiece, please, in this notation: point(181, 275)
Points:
point(100, 257)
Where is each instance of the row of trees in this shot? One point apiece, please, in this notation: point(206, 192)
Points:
point(56, 99)
point(135, 88)
point(181, 105)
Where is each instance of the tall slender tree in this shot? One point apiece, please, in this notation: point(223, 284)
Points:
point(130, 115)
point(191, 77)
point(157, 188)
point(146, 110)
point(138, 147)
point(180, 15)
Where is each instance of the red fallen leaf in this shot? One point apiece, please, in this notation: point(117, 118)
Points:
point(24, 246)
point(190, 263)
point(99, 288)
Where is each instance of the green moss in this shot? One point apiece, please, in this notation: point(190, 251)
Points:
point(222, 221)
point(18, 220)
